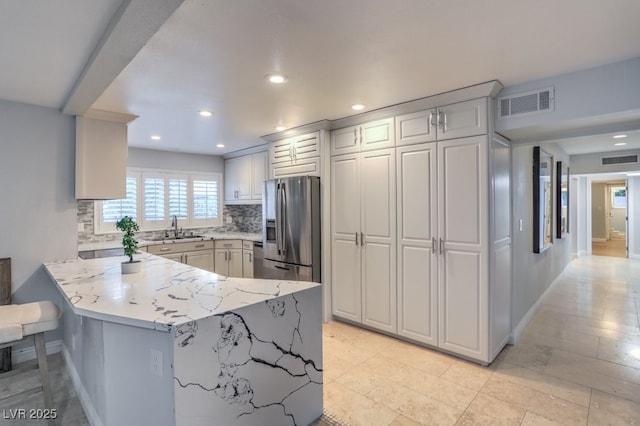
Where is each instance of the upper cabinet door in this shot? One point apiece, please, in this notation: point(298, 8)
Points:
point(259, 174)
point(377, 134)
point(306, 146)
point(281, 151)
point(345, 141)
point(237, 173)
point(463, 119)
point(416, 127)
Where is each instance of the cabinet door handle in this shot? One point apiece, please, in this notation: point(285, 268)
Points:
point(441, 246)
point(356, 239)
point(225, 256)
point(199, 245)
point(250, 257)
point(433, 245)
point(185, 258)
point(355, 136)
point(165, 249)
point(432, 122)
point(360, 135)
point(444, 124)
point(362, 239)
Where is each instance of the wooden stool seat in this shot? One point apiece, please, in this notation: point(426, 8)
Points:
point(18, 322)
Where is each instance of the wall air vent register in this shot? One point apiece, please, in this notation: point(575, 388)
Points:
point(524, 104)
point(622, 159)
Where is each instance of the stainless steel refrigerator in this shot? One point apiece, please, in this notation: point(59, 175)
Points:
point(291, 228)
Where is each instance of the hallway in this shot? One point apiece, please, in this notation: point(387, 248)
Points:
point(615, 247)
point(578, 362)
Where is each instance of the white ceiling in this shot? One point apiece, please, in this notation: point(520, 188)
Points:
point(215, 54)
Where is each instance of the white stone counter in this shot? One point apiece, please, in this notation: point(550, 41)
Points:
point(163, 295)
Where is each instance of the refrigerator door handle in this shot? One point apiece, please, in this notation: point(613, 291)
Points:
point(278, 213)
point(283, 219)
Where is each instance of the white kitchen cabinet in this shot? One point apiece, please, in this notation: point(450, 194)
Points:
point(295, 156)
point(368, 136)
point(243, 177)
point(101, 156)
point(259, 166)
point(462, 119)
point(295, 149)
point(364, 238)
point(453, 256)
point(228, 258)
point(194, 253)
point(417, 235)
point(247, 259)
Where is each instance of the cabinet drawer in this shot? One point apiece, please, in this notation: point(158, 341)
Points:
point(247, 245)
point(228, 244)
point(163, 249)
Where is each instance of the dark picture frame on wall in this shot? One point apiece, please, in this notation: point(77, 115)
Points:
point(543, 225)
point(562, 200)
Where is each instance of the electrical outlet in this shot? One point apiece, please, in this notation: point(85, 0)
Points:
point(229, 220)
point(156, 362)
point(80, 227)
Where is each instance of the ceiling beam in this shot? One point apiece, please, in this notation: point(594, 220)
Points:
point(130, 28)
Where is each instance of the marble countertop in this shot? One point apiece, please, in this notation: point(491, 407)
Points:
point(163, 295)
point(116, 243)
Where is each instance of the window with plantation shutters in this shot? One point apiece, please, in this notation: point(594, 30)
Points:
point(155, 196)
point(205, 199)
point(153, 200)
point(178, 200)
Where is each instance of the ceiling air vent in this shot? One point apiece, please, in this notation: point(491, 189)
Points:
point(523, 104)
point(623, 159)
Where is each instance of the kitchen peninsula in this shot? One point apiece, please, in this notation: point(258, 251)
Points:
point(179, 345)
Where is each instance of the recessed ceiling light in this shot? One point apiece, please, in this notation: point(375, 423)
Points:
point(205, 113)
point(277, 78)
point(619, 136)
point(620, 143)
point(155, 137)
point(220, 145)
point(357, 107)
point(280, 128)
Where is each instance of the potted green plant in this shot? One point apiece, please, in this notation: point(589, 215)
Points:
point(128, 225)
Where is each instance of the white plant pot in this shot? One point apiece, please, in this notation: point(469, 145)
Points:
point(131, 267)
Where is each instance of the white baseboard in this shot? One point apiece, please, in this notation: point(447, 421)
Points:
point(29, 353)
point(516, 334)
point(85, 400)
point(634, 256)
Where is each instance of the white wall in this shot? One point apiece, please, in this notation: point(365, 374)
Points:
point(592, 163)
point(38, 208)
point(533, 273)
point(601, 99)
point(633, 240)
point(153, 159)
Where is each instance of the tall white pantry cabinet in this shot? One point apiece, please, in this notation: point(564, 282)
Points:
point(420, 230)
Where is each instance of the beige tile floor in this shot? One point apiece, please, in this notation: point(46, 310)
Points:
point(577, 363)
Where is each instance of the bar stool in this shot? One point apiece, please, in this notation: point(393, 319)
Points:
point(18, 322)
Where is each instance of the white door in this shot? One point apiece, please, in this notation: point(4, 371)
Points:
point(462, 227)
point(378, 225)
point(202, 259)
point(235, 262)
point(346, 293)
point(417, 232)
point(247, 263)
point(377, 134)
point(258, 174)
point(221, 264)
point(462, 119)
point(344, 141)
point(417, 127)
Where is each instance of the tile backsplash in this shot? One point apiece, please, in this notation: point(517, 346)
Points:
point(245, 218)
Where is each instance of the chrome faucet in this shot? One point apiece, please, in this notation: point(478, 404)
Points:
point(174, 225)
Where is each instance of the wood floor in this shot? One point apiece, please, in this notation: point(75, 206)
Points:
point(615, 247)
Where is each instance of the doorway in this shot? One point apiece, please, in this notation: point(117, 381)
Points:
point(609, 224)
